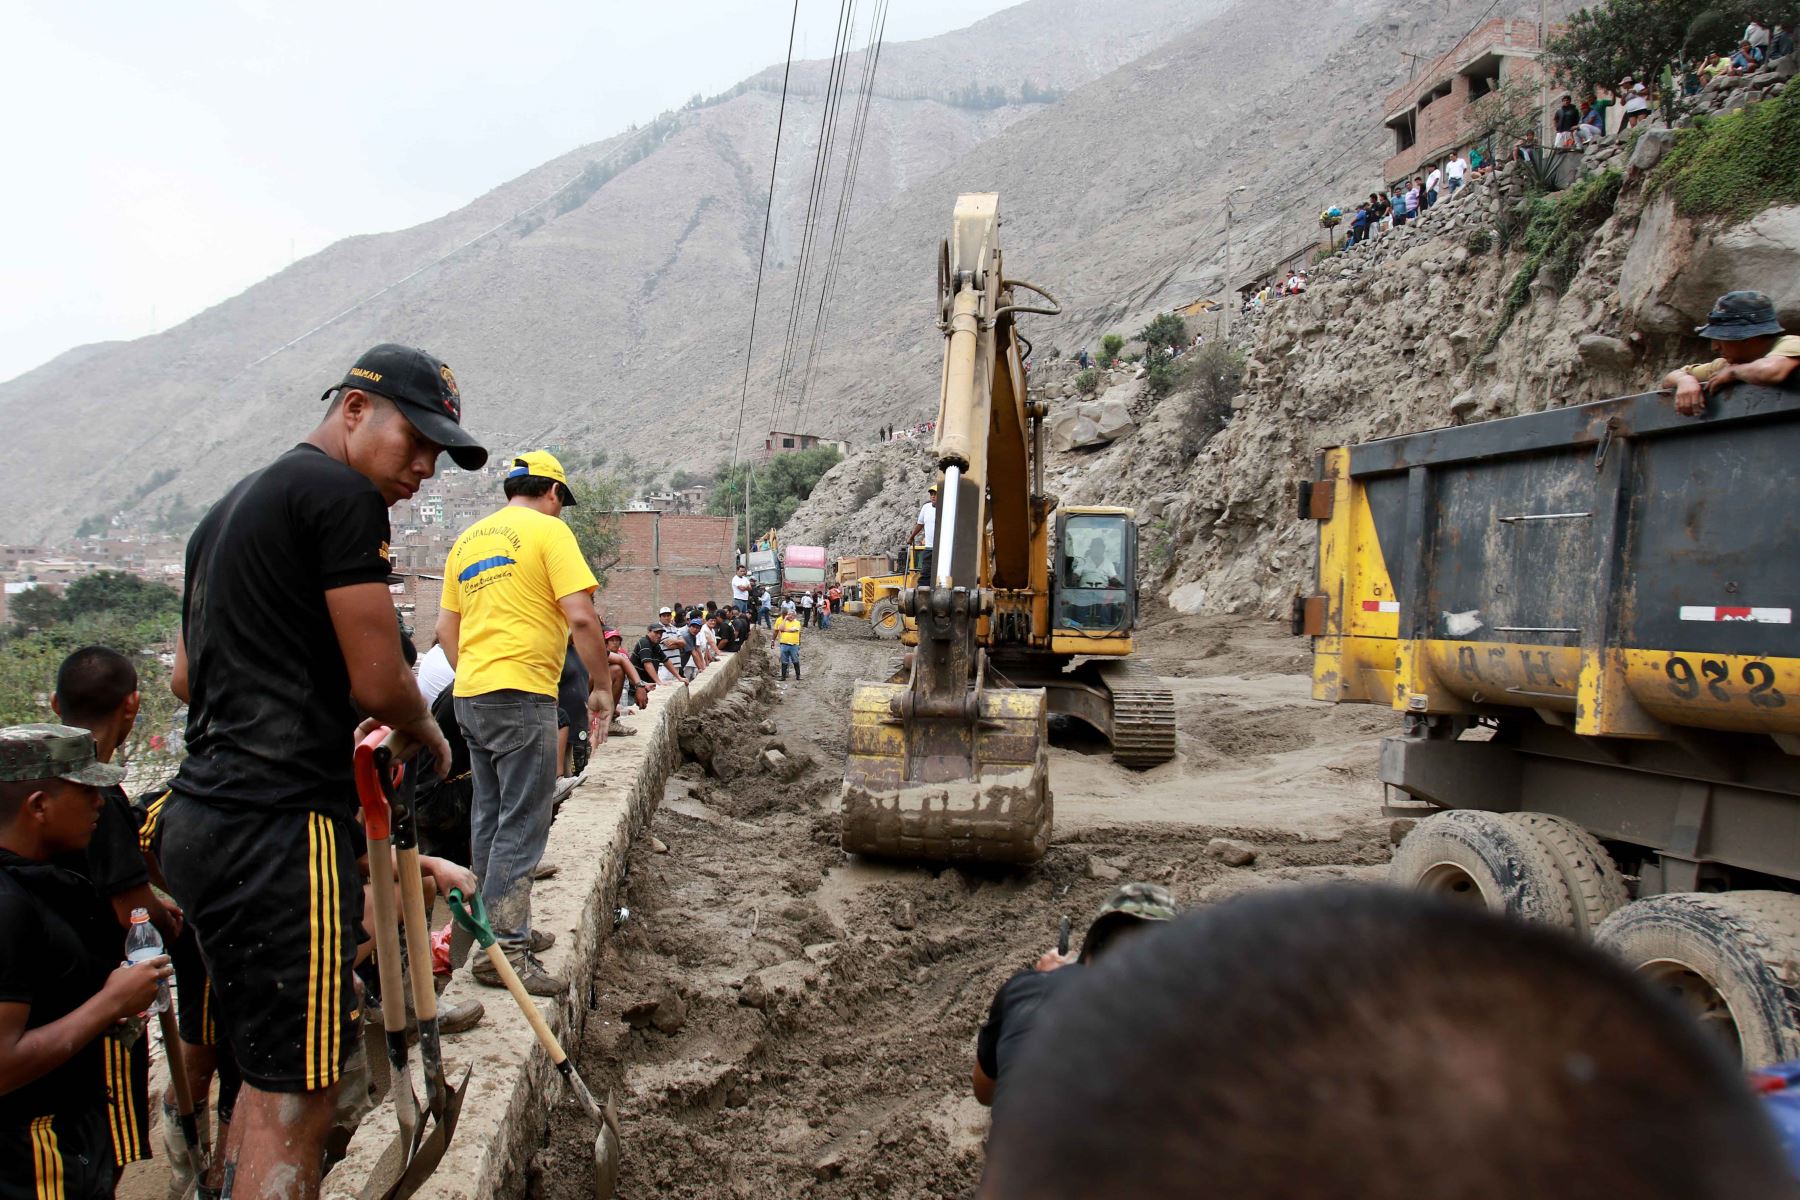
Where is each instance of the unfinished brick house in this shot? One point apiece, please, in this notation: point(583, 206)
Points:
point(1431, 116)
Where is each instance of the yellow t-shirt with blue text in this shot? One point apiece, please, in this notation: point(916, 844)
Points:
point(504, 576)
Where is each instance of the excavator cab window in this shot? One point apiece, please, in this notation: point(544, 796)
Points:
point(1096, 572)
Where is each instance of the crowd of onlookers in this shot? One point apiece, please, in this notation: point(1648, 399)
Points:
point(906, 433)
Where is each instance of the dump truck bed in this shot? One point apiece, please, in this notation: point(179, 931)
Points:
point(1611, 584)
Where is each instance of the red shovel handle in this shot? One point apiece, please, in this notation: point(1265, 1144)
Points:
point(368, 785)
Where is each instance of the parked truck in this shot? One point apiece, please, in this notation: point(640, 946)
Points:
point(1586, 617)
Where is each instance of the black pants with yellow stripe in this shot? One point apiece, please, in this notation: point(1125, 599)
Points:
point(63, 1157)
point(128, 1097)
point(275, 899)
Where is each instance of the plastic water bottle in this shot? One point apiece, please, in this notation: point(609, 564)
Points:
point(143, 943)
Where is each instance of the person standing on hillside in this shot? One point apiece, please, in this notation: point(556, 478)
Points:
point(287, 634)
point(787, 637)
point(516, 590)
point(1454, 170)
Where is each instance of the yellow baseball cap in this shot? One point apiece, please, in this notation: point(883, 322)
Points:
point(544, 465)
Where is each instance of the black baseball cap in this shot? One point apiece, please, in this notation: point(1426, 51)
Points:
point(424, 391)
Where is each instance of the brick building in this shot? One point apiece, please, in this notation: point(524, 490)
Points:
point(668, 557)
point(1431, 116)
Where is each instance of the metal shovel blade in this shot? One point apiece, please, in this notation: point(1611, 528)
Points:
point(430, 1151)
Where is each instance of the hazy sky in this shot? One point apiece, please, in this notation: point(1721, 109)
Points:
point(163, 157)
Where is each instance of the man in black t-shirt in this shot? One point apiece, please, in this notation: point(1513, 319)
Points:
point(97, 690)
point(62, 993)
point(287, 634)
point(1020, 1003)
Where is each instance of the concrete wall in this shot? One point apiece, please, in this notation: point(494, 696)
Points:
point(668, 557)
point(506, 1108)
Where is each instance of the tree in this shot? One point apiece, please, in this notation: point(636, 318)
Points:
point(778, 487)
point(1506, 115)
point(34, 609)
point(1110, 345)
point(1167, 331)
point(120, 594)
point(1603, 44)
point(595, 521)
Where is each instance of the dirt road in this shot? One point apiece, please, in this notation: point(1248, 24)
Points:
point(775, 1019)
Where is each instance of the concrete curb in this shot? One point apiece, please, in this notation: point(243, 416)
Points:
point(513, 1085)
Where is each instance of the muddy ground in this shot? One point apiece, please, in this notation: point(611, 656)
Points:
point(776, 1019)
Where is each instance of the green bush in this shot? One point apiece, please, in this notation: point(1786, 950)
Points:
point(1166, 330)
point(1480, 240)
point(1088, 381)
point(1161, 376)
point(1110, 345)
point(1213, 375)
point(1737, 164)
point(1556, 231)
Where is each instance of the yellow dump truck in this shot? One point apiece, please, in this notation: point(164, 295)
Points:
point(1586, 616)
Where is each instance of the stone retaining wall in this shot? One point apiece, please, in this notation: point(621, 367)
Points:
point(506, 1107)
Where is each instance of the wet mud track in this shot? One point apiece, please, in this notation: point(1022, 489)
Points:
point(774, 1018)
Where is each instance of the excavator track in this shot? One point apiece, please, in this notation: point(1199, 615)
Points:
point(1143, 714)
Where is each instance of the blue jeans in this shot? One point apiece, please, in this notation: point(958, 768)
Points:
point(790, 655)
point(512, 765)
point(762, 614)
point(824, 619)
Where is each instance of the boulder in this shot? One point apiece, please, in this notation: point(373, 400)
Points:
point(1231, 853)
point(1078, 434)
point(1652, 144)
point(1675, 268)
point(1114, 420)
point(1605, 353)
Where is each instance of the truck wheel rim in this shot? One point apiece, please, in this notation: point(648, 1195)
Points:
point(1697, 995)
point(1453, 883)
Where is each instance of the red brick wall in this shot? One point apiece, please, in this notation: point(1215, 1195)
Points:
point(1446, 124)
point(697, 554)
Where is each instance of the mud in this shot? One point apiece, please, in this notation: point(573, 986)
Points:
point(776, 1018)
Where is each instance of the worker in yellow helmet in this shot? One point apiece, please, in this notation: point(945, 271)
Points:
point(787, 636)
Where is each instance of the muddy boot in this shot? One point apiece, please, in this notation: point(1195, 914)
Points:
point(460, 1017)
point(181, 1163)
point(530, 971)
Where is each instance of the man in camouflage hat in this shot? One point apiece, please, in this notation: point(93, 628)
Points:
point(1019, 1004)
point(61, 988)
point(1752, 348)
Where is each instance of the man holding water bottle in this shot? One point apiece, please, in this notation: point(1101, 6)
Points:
point(63, 991)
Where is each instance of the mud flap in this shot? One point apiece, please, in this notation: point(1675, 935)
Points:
point(946, 789)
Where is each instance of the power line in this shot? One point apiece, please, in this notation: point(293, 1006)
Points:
point(821, 167)
point(846, 198)
point(761, 258)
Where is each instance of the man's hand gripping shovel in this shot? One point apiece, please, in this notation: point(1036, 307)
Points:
point(386, 797)
point(471, 914)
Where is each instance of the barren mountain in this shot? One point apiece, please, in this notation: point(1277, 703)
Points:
point(602, 300)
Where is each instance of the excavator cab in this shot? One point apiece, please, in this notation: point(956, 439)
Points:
point(1096, 572)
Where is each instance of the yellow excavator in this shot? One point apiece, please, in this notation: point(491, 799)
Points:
point(1022, 609)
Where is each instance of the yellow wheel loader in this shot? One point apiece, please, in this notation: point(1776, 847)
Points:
point(1023, 609)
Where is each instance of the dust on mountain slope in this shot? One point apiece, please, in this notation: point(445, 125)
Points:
point(774, 1018)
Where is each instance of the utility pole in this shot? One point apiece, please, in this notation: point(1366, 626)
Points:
point(1230, 304)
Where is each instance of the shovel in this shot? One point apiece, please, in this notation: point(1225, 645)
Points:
point(412, 1156)
point(472, 916)
point(199, 1152)
point(443, 1102)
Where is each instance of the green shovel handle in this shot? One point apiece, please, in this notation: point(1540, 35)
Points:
point(473, 917)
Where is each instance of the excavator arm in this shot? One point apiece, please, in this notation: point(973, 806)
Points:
point(952, 764)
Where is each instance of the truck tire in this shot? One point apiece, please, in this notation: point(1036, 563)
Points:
point(1480, 858)
point(1596, 889)
point(885, 620)
point(1731, 959)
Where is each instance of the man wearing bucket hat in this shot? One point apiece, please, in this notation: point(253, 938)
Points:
point(516, 591)
point(62, 990)
point(287, 637)
point(1750, 343)
point(1018, 1005)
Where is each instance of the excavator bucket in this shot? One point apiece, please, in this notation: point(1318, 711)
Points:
point(948, 788)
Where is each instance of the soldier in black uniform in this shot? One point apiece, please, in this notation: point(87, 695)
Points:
point(63, 993)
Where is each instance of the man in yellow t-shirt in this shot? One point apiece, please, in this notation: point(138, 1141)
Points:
point(787, 638)
point(516, 589)
point(1748, 338)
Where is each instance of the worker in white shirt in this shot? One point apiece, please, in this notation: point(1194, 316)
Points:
point(927, 527)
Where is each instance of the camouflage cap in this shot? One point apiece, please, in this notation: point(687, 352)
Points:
point(31, 752)
point(1738, 316)
point(1132, 902)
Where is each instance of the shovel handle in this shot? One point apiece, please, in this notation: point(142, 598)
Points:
point(470, 912)
point(539, 1026)
point(184, 1095)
